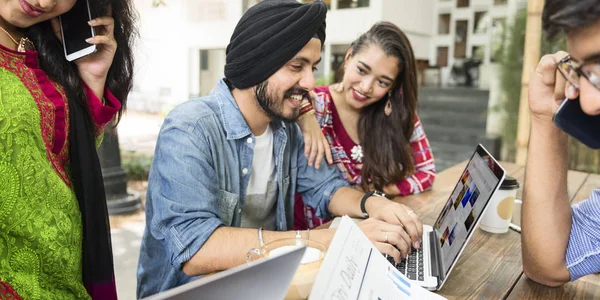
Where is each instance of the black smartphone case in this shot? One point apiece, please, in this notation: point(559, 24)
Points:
point(572, 120)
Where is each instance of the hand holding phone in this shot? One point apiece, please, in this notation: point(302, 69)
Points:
point(75, 30)
point(571, 119)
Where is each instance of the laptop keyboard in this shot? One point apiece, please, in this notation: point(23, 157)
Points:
point(412, 266)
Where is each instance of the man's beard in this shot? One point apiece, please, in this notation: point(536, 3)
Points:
point(268, 103)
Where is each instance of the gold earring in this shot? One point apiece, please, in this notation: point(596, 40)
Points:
point(388, 108)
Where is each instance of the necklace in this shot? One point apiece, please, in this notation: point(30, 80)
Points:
point(24, 43)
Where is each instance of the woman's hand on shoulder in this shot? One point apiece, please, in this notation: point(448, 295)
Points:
point(315, 144)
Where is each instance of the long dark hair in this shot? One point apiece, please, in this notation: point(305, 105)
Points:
point(387, 155)
point(120, 75)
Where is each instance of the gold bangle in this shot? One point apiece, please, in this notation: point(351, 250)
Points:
point(306, 114)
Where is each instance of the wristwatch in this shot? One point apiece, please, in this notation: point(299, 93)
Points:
point(364, 200)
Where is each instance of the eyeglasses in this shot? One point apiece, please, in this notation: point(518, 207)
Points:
point(572, 71)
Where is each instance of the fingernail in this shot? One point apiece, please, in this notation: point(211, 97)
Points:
point(416, 244)
point(88, 40)
point(572, 91)
point(92, 22)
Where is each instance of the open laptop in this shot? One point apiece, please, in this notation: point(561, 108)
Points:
point(443, 243)
point(266, 279)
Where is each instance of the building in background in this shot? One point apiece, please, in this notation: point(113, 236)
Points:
point(470, 29)
point(181, 51)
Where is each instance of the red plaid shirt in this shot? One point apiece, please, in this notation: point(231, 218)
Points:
point(341, 150)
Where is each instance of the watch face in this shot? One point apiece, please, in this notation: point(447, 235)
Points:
point(378, 193)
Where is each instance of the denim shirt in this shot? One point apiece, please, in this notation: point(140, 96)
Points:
point(198, 180)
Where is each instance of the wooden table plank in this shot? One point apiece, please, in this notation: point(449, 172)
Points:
point(575, 180)
point(587, 287)
point(491, 263)
point(592, 182)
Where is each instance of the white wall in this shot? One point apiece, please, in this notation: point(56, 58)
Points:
point(414, 18)
point(167, 55)
point(160, 57)
point(345, 25)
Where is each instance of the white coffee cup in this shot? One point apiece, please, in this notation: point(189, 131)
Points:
point(498, 214)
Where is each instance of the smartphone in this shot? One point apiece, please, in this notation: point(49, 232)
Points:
point(74, 29)
point(571, 119)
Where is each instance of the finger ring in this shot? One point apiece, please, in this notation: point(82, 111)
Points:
point(386, 237)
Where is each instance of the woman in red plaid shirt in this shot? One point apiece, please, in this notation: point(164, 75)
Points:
point(369, 121)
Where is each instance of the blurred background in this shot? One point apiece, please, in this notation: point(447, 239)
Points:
point(470, 58)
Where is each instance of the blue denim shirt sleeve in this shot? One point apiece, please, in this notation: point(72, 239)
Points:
point(184, 200)
point(583, 250)
point(317, 186)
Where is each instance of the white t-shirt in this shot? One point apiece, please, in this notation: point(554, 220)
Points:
point(261, 194)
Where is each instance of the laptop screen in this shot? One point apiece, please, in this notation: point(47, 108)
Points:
point(466, 204)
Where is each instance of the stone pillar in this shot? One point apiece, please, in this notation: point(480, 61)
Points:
point(119, 200)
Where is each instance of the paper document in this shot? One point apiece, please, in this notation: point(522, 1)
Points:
point(354, 269)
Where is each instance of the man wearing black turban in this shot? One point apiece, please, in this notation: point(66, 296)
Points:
point(229, 163)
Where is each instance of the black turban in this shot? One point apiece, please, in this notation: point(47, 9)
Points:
point(268, 35)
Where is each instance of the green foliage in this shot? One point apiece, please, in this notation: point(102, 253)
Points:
point(136, 166)
point(321, 81)
point(157, 3)
point(511, 73)
point(511, 68)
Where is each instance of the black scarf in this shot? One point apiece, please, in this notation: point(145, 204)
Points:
point(97, 260)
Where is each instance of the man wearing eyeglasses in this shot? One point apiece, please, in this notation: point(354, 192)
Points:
point(561, 243)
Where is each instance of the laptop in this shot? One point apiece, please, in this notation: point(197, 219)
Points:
point(267, 279)
point(444, 242)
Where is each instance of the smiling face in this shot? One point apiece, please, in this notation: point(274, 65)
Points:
point(368, 76)
point(584, 46)
point(281, 94)
point(25, 13)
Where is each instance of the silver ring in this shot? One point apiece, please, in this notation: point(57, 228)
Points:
point(386, 237)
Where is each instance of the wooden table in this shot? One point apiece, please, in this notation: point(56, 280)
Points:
point(491, 266)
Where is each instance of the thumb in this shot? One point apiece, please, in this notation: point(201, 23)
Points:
point(56, 28)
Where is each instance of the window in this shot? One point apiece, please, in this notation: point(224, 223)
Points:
point(460, 39)
point(352, 3)
point(442, 57)
point(203, 60)
point(462, 3)
point(500, 2)
point(480, 22)
point(444, 24)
